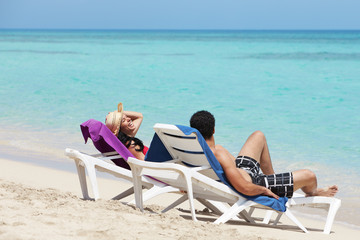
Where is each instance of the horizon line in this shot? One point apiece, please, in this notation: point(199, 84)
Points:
point(164, 29)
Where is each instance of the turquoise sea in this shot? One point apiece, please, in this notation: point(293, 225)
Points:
point(301, 88)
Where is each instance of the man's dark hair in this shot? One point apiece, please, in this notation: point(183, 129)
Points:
point(203, 121)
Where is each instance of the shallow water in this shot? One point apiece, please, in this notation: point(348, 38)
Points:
point(299, 87)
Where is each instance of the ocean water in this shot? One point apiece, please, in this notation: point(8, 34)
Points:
point(301, 88)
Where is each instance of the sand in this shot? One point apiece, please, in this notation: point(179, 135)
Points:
point(44, 203)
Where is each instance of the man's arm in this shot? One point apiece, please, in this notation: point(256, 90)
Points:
point(245, 187)
point(236, 179)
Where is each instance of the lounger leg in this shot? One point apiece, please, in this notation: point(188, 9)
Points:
point(267, 217)
point(216, 207)
point(124, 194)
point(278, 218)
point(156, 190)
point(219, 208)
point(246, 216)
point(182, 199)
point(294, 219)
point(82, 179)
point(92, 177)
point(191, 197)
point(251, 211)
point(233, 211)
point(333, 208)
point(138, 188)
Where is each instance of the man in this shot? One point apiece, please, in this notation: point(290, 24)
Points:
point(243, 172)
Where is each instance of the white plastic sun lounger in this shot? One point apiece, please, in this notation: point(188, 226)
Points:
point(100, 162)
point(104, 141)
point(196, 185)
point(186, 148)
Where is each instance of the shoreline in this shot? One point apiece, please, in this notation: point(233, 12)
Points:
point(61, 189)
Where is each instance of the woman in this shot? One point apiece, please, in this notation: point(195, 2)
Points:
point(125, 125)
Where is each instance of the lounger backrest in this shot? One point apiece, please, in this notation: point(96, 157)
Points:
point(186, 148)
point(105, 141)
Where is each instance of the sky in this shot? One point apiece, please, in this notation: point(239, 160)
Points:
point(181, 14)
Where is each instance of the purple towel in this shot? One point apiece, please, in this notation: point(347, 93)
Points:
point(105, 141)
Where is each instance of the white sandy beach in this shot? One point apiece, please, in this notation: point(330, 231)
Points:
point(42, 203)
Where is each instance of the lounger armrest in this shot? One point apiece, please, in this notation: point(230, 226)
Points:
point(197, 169)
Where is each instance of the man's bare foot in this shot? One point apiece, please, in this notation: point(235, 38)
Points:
point(326, 192)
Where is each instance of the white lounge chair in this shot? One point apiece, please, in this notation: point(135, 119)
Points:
point(106, 142)
point(187, 149)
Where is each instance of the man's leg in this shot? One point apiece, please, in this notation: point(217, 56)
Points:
point(256, 147)
point(306, 180)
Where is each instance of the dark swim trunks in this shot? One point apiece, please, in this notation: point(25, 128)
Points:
point(281, 184)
